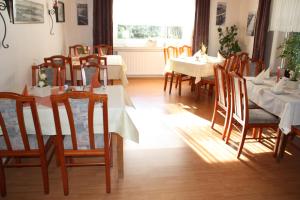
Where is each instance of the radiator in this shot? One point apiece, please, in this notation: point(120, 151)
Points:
point(142, 61)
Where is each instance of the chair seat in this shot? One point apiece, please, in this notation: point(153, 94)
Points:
point(260, 116)
point(83, 141)
point(208, 78)
point(17, 142)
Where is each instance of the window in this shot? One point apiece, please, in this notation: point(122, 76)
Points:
point(153, 22)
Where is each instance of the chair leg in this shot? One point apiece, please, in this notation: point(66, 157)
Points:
point(214, 116)
point(260, 134)
point(254, 133)
point(227, 132)
point(226, 123)
point(171, 82)
point(179, 78)
point(107, 171)
point(2, 180)
point(244, 134)
point(44, 167)
point(63, 168)
point(166, 81)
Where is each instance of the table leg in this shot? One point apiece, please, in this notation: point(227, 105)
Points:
point(282, 146)
point(171, 82)
point(120, 153)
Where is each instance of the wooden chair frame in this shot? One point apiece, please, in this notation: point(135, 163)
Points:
point(27, 152)
point(64, 60)
point(222, 98)
point(98, 49)
point(58, 76)
point(75, 48)
point(242, 116)
point(75, 152)
point(101, 64)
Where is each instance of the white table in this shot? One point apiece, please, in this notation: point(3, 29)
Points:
point(115, 65)
point(286, 106)
point(119, 121)
point(196, 68)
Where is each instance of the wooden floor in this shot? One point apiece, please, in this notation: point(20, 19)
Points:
point(178, 157)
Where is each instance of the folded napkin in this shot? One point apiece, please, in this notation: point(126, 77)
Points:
point(279, 86)
point(198, 54)
point(267, 73)
point(25, 91)
point(220, 57)
point(259, 79)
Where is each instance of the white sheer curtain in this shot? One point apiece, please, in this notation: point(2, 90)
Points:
point(285, 16)
point(155, 13)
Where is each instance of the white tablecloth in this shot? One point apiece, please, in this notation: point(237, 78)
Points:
point(192, 67)
point(118, 106)
point(115, 65)
point(286, 106)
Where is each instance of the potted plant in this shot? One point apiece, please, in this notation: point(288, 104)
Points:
point(290, 51)
point(228, 41)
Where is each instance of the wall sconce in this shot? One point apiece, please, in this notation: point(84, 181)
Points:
point(51, 12)
point(5, 4)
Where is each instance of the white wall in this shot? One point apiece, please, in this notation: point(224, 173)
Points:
point(236, 13)
point(76, 34)
point(28, 43)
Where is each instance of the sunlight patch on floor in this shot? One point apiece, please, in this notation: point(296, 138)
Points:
point(196, 132)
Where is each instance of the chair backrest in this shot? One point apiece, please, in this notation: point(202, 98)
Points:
point(103, 49)
point(239, 98)
point(231, 62)
point(78, 49)
point(89, 66)
point(170, 52)
point(186, 50)
point(13, 126)
point(222, 87)
point(62, 62)
point(80, 111)
point(55, 74)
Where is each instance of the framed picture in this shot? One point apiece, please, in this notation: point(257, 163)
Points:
point(60, 12)
point(82, 14)
point(28, 12)
point(251, 23)
point(221, 13)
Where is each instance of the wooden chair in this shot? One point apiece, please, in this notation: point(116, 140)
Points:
point(169, 52)
point(230, 64)
point(15, 144)
point(103, 49)
point(222, 97)
point(242, 115)
point(89, 65)
point(83, 142)
point(78, 49)
point(55, 74)
point(185, 50)
point(62, 62)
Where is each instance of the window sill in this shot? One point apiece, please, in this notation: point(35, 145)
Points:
point(138, 49)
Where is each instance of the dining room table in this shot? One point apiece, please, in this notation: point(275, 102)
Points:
point(284, 104)
point(196, 67)
point(116, 68)
point(120, 123)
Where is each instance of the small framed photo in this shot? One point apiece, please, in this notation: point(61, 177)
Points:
point(60, 12)
point(82, 14)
